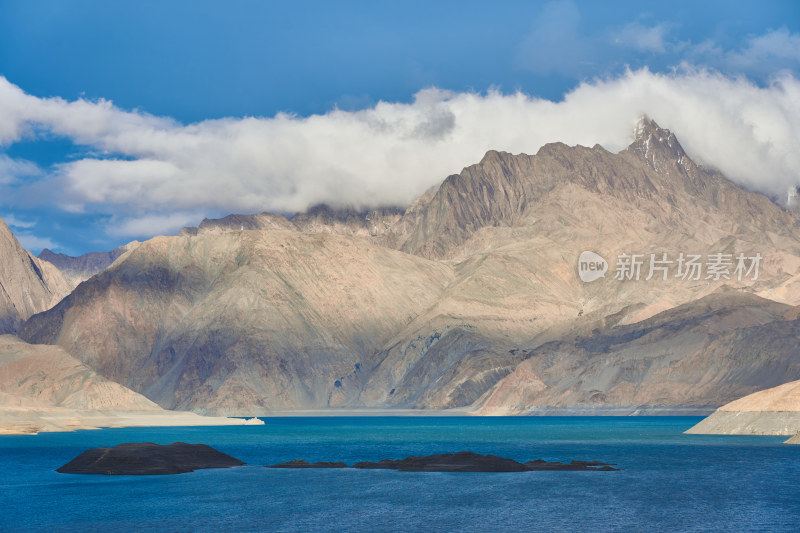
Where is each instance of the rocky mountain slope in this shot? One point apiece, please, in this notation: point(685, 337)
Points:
point(248, 318)
point(774, 411)
point(456, 301)
point(657, 183)
point(712, 350)
point(47, 376)
point(27, 285)
point(43, 388)
point(83, 267)
point(513, 227)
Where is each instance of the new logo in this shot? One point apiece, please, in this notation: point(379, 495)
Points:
point(591, 266)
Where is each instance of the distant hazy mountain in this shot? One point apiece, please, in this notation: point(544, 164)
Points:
point(321, 218)
point(452, 302)
point(27, 285)
point(83, 267)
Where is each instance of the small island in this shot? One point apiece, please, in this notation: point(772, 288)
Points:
point(455, 462)
point(146, 458)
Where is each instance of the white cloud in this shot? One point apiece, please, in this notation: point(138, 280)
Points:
point(761, 55)
point(15, 222)
point(13, 169)
point(779, 43)
point(555, 43)
point(558, 43)
point(150, 225)
point(33, 243)
point(163, 175)
point(642, 38)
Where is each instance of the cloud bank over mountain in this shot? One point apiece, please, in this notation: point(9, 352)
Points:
point(155, 174)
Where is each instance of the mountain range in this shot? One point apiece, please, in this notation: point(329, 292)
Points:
point(27, 285)
point(471, 297)
point(81, 268)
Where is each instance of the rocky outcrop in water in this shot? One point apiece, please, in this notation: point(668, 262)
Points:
point(147, 459)
point(455, 462)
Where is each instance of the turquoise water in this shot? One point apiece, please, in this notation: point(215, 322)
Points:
point(670, 481)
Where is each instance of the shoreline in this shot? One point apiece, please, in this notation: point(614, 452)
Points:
point(31, 421)
point(610, 410)
point(366, 412)
point(21, 421)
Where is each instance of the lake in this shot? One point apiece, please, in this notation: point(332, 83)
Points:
point(669, 482)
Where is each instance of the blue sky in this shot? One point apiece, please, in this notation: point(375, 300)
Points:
point(128, 119)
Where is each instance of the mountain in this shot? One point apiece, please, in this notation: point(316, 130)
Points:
point(83, 267)
point(653, 181)
point(47, 376)
point(513, 227)
point(43, 388)
point(450, 302)
point(27, 285)
point(268, 318)
point(711, 350)
point(368, 223)
point(774, 411)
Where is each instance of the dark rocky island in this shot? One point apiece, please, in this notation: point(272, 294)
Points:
point(455, 462)
point(146, 458)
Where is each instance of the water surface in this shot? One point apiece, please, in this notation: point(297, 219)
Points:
point(670, 481)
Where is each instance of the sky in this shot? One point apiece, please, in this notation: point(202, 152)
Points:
point(125, 120)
